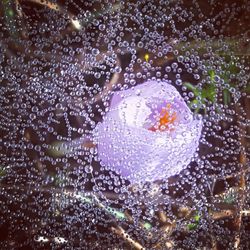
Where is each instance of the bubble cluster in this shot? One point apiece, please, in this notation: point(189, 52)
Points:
point(92, 156)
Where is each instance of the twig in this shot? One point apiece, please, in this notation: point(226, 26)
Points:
point(108, 87)
point(121, 232)
point(242, 183)
point(46, 3)
point(222, 214)
point(57, 190)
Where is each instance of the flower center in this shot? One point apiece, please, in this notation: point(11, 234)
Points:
point(165, 119)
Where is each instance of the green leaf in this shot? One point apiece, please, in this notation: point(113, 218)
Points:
point(211, 73)
point(2, 172)
point(211, 93)
point(119, 215)
point(60, 148)
point(247, 88)
point(226, 96)
point(192, 226)
point(147, 225)
point(197, 218)
point(193, 88)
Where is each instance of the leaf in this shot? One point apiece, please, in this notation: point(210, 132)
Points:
point(192, 226)
point(193, 88)
point(210, 93)
point(226, 96)
point(197, 218)
point(119, 215)
point(247, 88)
point(58, 149)
point(211, 73)
point(147, 225)
point(2, 172)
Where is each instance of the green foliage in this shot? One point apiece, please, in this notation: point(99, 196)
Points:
point(147, 225)
point(208, 92)
point(195, 222)
point(2, 172)
point(192, 226)
point(202, 96)
point(230, 196)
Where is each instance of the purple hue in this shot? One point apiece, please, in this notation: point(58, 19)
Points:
point(127, 145)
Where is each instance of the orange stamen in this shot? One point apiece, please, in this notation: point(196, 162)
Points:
point(166, 119)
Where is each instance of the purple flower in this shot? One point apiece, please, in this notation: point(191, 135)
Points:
point(148, 134)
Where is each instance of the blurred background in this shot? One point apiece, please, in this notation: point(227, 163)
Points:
point(61, 61)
